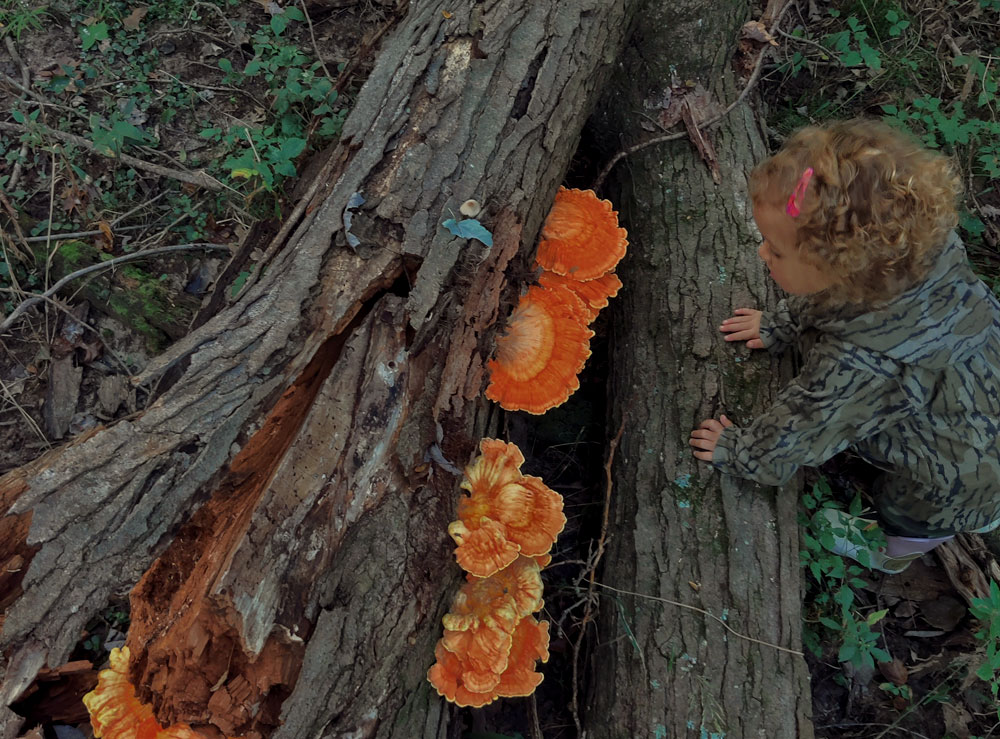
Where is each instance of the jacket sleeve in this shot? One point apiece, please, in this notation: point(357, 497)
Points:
point(837, 400)
point(780, 328)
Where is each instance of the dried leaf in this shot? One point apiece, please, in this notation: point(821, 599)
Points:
point(108, 240)
point(956, 720)
point(756, 31)
point(701, 143)
point(894, 671)
point(695, 97)
point(943, 613)
point(919, 583)
point(446, 14)
point(270, 7)
point(73, 199)
point(133, 19)
point(905, 609)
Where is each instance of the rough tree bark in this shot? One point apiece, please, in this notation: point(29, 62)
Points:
point(281, 507)
point(678, 531)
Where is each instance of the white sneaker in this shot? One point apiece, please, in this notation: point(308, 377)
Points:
point(848, 537)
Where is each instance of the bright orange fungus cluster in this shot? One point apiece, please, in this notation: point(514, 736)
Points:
point(115, 712)
point(506, 528)
point(547, 340)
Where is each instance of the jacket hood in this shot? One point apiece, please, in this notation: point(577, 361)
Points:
point(943, 319)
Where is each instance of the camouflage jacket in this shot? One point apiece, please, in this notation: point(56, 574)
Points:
point(913, 387)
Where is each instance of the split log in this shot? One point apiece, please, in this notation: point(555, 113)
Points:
point(275, 506)
point(679, 532)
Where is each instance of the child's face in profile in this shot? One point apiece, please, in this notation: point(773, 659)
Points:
point(780, 253)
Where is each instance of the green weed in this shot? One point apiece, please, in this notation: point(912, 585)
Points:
point(18, 16)
point(987, 612)
point(835, 614)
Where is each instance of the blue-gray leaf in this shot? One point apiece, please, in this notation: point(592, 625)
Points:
point(469, 228)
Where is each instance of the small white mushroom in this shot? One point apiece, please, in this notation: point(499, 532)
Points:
point(470, 208)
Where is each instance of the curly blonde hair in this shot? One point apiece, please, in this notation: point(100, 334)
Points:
point(876, 212)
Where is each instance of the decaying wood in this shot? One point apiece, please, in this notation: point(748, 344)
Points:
point(964, 570)
point(682, 534)
point(273, 506)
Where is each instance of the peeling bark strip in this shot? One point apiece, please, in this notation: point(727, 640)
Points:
point(305, 590)
point(681, 533)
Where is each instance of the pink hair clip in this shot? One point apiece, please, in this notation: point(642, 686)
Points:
point(793, 208)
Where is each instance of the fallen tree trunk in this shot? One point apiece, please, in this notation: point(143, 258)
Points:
point(725, 548)
point(281, 506)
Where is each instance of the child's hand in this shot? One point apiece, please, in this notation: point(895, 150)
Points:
point(744, 325)
point(707, 435)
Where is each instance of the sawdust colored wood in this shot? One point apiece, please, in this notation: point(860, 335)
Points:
point(678, 531)
point(273, 510)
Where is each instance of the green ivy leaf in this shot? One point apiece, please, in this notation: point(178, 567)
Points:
point(92, 34)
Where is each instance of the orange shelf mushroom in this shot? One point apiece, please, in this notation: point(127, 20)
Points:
point(447, 675)
point(485, 652)
point(115, 712)
point(505, 514)
point(546, 344)
point(530, 643)
point(594, 293)
point(507, 526)
point(581, 237)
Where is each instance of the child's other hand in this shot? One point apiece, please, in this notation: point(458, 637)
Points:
point(707, 435)
point(743, 325)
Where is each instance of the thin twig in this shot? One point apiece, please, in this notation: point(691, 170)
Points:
point(22, 307)
point(49, 251)
point(587, 617)
point(536, 725)
point(15, 175)
point(858, 725)
point(707, 124)
point(312, 35)
point(77, 234)
point(808, 41)
point(17, 226)
point(201, 179)
point(27, 417)
point(702, 611)
point(217, 9)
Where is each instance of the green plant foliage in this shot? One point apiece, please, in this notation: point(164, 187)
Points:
point(987, 612)
point(834, 614)
point(90, 35)
point(304, 106)
point(18, 16)
point(853, 47)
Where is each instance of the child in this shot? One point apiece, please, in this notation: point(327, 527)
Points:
point(901, 340)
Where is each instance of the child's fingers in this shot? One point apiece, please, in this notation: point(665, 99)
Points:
point(735, 325)
point(740, 335)
point(755, 344)
point(704, 456)
point(706, 444)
